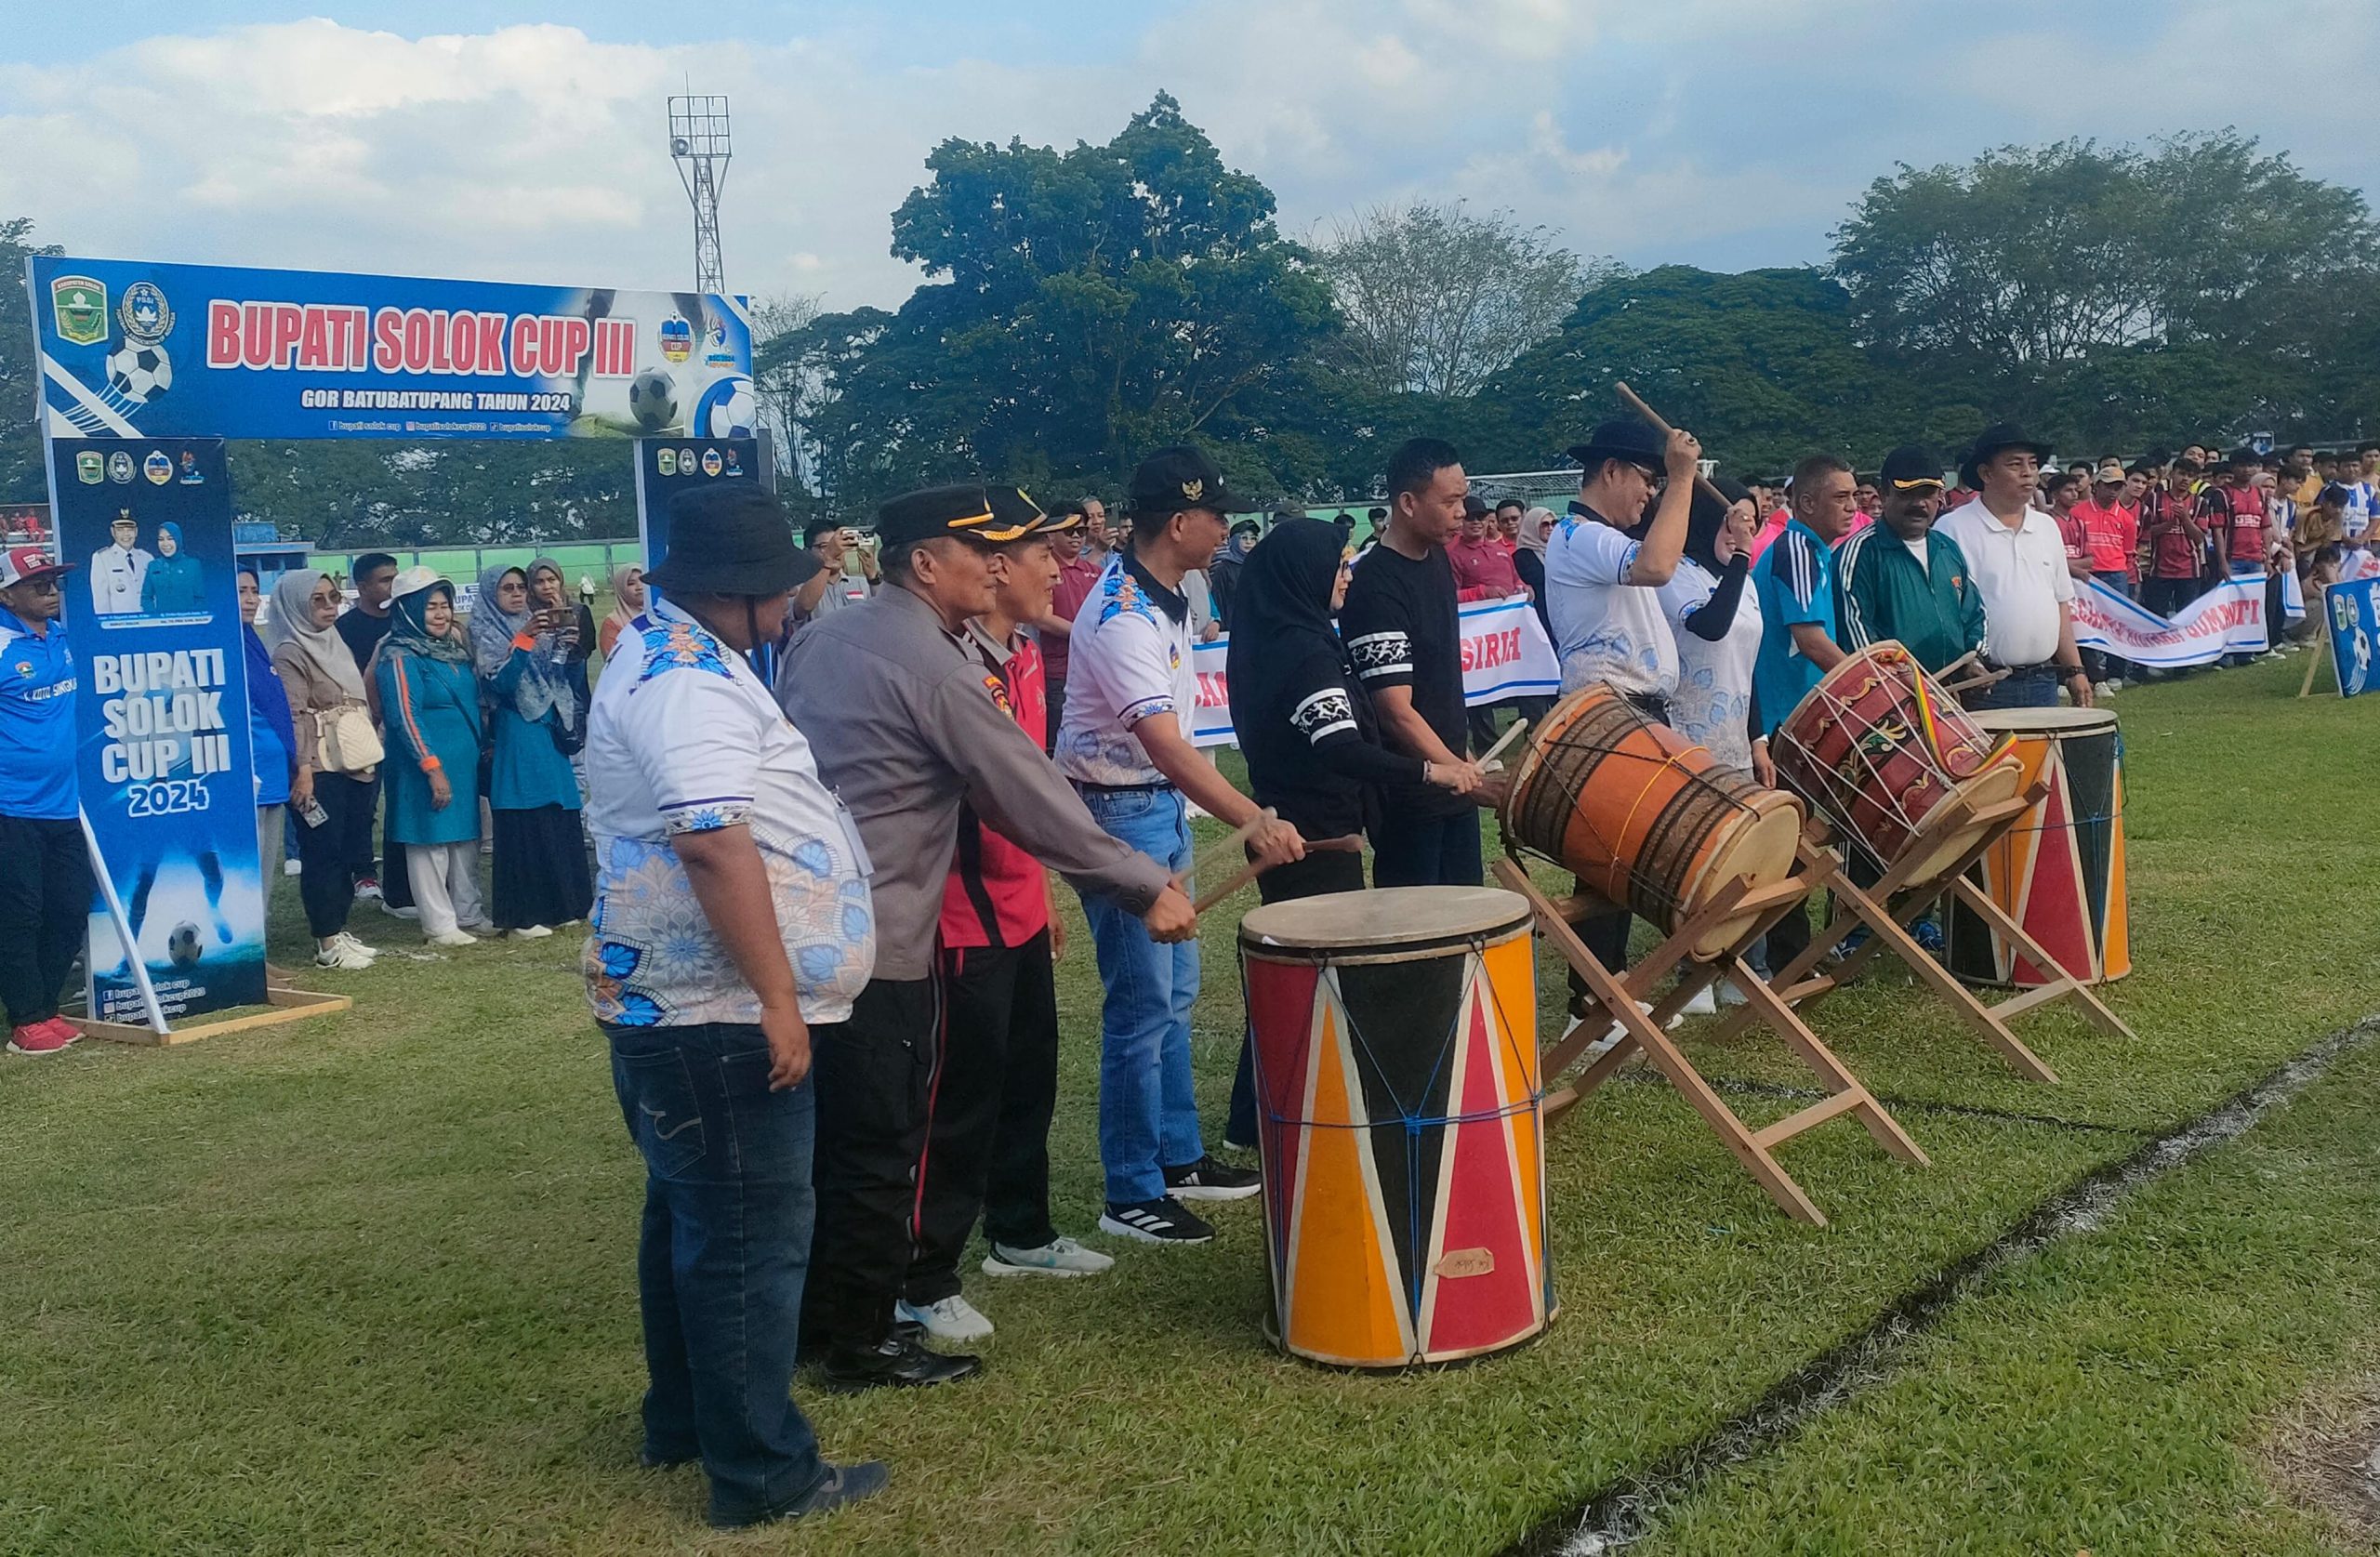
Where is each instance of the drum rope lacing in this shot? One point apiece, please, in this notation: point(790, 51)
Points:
point(1413, 1124)
point(1573, 788)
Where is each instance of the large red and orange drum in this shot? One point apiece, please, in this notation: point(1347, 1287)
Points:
point(1647, 818)
point(2060, 871)
point(1399, 1113)
point(1877, 746)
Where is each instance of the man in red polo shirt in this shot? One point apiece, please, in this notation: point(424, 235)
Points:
point(987, 1151)
point(1078, 570)
point(2177, 544)
point(2108, 530)
point(1483, 565)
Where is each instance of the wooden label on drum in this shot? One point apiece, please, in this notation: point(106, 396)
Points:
point(1467, 1262)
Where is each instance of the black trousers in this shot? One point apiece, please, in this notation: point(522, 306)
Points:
point(326, 855)
point(875, 1077)
point(44, 904)
point(1053, 692)
point(1426, 851)
point(1325, 871)
point(988, 1148)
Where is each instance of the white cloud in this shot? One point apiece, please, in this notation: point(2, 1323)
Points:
point(1740, 128)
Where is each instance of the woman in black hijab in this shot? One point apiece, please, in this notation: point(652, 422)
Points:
point(1305, 727)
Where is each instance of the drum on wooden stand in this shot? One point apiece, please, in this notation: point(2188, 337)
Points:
point(1877, 746)
point(1399, 1115)
point(1644, 816)
point(2060, 871)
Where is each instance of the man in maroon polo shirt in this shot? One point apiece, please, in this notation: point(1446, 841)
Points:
point(1078, 569)
point(988, 1148)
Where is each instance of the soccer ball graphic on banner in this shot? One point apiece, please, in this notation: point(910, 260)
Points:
point(652, 400)
point(183, 945)
point(137, 372)
point(726, 409)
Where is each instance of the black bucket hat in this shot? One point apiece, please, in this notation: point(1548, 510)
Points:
point(1622, 437)
point(731, 538)
point(2003, 435)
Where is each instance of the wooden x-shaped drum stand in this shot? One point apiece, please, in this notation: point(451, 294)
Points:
point(1892, 904)
point(1641, 1032)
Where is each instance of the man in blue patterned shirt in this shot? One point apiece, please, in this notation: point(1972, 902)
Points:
point(732, 913)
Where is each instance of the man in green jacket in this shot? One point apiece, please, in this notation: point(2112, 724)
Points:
point(1901, 578)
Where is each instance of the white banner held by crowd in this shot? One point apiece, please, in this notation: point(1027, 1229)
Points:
point(1505, 654)
point(2227, 619)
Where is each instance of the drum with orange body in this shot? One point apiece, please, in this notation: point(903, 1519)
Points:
point(1644, 816)
point(1877, 746)
point(1399, 1115)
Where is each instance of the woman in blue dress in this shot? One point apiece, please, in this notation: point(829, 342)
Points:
point(537, 719)
point(174, 582)
point(430, 701)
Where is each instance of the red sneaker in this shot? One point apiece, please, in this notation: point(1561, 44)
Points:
point(43, 1037)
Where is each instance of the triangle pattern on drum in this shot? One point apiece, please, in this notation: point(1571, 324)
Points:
point(1479, 1228)
point(1341, 1295)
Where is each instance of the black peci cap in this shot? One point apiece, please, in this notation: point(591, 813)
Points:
point(1173, 479)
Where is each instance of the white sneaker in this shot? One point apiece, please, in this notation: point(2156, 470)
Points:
point(394, 913)
point(953, 1318)
point(342, 957)
point(1060, 1256)
point(1613, 1034)
point(455, 938)
point(1703, 1004)
point(529, 932)
point(358, 948)
point(2107, 688)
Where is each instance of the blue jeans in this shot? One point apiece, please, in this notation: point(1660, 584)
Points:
point(2032, 687)
point(1148, 1115)
point(721, 1258)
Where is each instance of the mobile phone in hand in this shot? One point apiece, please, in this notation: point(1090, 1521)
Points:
point(312, 813)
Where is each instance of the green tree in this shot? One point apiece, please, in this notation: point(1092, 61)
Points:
point(1764, 367)
point(2112, 294)
point(21, 477)
point(1082, 307)
point(1438, 300)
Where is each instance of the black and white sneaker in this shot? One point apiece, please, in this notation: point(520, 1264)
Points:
point(1155, 1221)
point(1210, 1180)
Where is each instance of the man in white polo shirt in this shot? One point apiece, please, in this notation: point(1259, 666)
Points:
point(1125, 742)
point(2018, 560)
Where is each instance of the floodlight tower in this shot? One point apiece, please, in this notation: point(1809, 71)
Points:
point(699, 145)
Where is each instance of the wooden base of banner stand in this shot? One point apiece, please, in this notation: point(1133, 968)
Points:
point(2318, 657)
point(285, 1005)
point(1615, 997)
point(1892, 904)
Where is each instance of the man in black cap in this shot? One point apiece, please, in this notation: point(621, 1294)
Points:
point(732, 925)
point(1404, 634)
point(909, 725)
point(1901, 578)
point(1131, 700)
point(2017, 560)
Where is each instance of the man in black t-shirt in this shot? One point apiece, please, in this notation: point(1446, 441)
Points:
point(1401, 630)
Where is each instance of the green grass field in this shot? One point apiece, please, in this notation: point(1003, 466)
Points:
point(364, 1284)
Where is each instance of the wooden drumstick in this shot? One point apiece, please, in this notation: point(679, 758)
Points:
point(1506, 739)
point(1701, 482)
point(1352, 843)
point(1239, 836)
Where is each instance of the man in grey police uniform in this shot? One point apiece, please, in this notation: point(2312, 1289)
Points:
point(906, 724)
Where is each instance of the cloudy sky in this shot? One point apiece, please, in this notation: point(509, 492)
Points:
point(440, 138)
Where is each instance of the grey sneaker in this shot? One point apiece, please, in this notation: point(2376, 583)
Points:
point(1060, 1256)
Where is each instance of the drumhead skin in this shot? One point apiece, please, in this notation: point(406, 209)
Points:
point(1385, 917)
point(1992, 786)
point(2043, 722)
